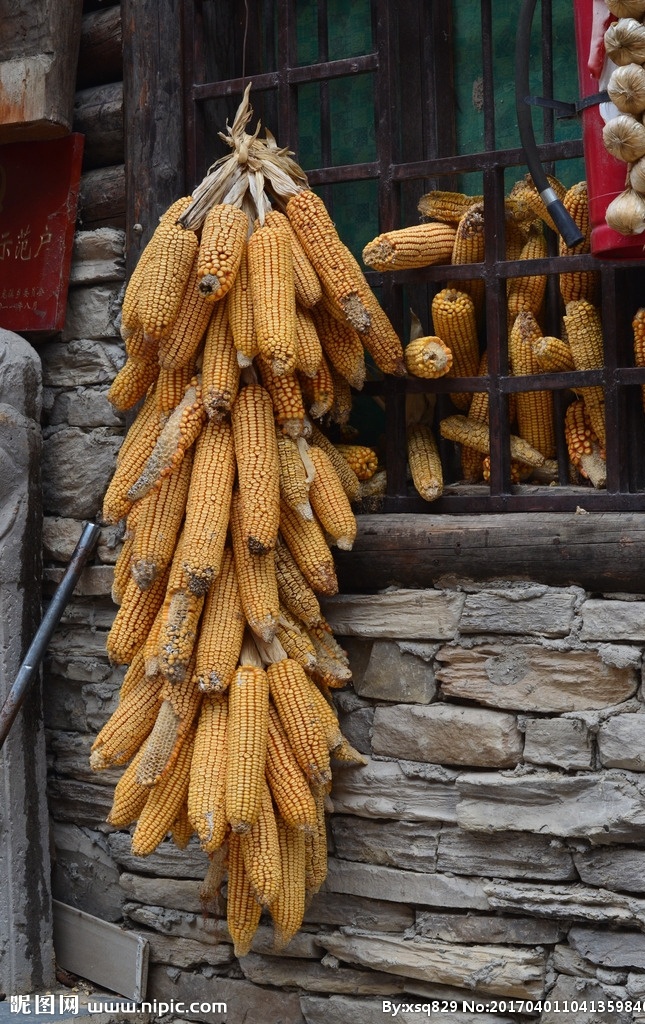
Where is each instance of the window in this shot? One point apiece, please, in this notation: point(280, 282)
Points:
point(383, 102)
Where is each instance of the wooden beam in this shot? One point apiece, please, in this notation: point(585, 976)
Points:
point(98, 115)
point(100, 58)
point(101, 198)
point(153, 113)
point(599, 551)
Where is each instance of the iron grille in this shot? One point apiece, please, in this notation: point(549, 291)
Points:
point(411, 60)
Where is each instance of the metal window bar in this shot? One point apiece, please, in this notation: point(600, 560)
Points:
point(438, 168)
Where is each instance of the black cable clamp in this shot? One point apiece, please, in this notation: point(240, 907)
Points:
point(566, 110)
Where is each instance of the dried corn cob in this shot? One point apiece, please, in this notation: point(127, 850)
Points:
point(288, 785)
point(329, 501)
point(128, 726)
point(293, 477)
point(140, 348)
point(166, 277)
point(293, 701)
point(638, 328)
point(164, 803)
point(129, 796)
point(475, 435)
point(295, 641)
point(306, 281)
point(346, 474)
point(534, 408)
point(418, 246)
point(177, 712)
point(207, 786)
point(526, 294)
point(552, 355)
point(242, 909)
point(316, 849)
point(307, 544)
point(341, 407)
point(471, 459)
point(182, 829)
point(448, 207)
point(337, 269)
point(122, 569)
point(220, 368)
point(584, 333)
point(221, 630)
point(171, 386)
point(182, 342)
point(220, 249)
point(581, 284)
point(178, 634)
point(131, 383)
point(273, 296)
point(308, 347)
point(247, 744)
point(134, 620)
point(286, 397)
point(584, 449)
point(342, 345)
point(240, 315)
point(424, 462)
point(318, 391)
point(428, 357)
point(381, 340)
point(295, 593)
point(258, 467)
point(362, 459)
point(288, 908)
point(159, 517)
point(453, 315)
point(519, 470)
point(524, 191)
point(256, 577)
point(469, 248)
point(208, 505)
point(261, 852)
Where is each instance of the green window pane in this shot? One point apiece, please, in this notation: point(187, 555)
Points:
point(349, 27)
point(351, 104)
point(355, 213)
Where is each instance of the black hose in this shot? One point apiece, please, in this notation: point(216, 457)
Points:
point(563, 221)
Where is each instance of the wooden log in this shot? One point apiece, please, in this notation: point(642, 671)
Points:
point(101, 199)
point(100, 57)
point(38, 55)
point(600, 551)
point(153, 95)
point(98, 114)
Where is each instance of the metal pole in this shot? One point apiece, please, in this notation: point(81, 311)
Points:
point(31, 661)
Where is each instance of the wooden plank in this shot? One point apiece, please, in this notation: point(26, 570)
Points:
point(101, 952)
point(38, 55)
point(153, 114)
point(600, 551)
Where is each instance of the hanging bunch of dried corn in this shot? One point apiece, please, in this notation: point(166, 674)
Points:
point(245, 318)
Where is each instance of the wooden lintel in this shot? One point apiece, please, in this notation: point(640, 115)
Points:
point(599, 551)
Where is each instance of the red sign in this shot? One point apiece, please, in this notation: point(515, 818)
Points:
point(38, 196)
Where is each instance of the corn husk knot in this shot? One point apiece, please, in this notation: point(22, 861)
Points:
point(626, 213)
point(624, 138)
point(625, 42)
point(626, 88)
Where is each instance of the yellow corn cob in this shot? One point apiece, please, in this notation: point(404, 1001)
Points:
point(516, 235)
point(472, 460)
point(128, 726)
point(131, 383)
point(171, 386)
point(146, 422)
point(329, 671)
point(177, 712)
point(291, 694)
point(296, 643)
point(207, 787)
point(286, 397)
point(240, 315)
point(424, 462)
point(306, 281)
point(179, 433)
point(178, 634)
point(346, 474)
point(208, 505)
point(466, 431)
point(258, 472)
point(273, 297)
point(181, 344)
point(342, 346)
point(134, 620)
point(362, 459)
point(453, 315)
point(323, 632)
point(448, 207)
point(261, 852)
point(524, 191)
point(294, 482)
point(585, 452)
point(122, 569)
point(552, 355)
point(428, 357)
point(469, 248)
point(220, 368)
point(308, 347)
point(182, 829)
point(381, 340)
point(256, 578)
point(581, 284)
point(584, 333)
point(337, 269)
point(519, 470)
point(526, 294)
point(288, 785)
point(221, 247)
point(306, 542)
point(166, 277)
point(164, 803)
point(329, 501)
point(242, 909)
point(316, 849)
point(318, 391)
point(638, 328)
point(248, 706)
point(295, 593)
point(288, 908)
point(134, 676)
point(418, 246)
point(341, 408)
point(159, 518)
point(221, 630)
point(129, 796)
point(150, 649)
point(140, 348)
point(534, 408)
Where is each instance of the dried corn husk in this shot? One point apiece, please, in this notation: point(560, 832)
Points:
point(626, 88)
point(624, 138)
point(625, 42)
point(626, 8)
point(626, 213)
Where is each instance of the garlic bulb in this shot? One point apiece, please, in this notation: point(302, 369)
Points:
point(626, 88)
point(624, 138)
point(626, 213)
point(626, 8)
point(625, 42)
point(637, 175)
